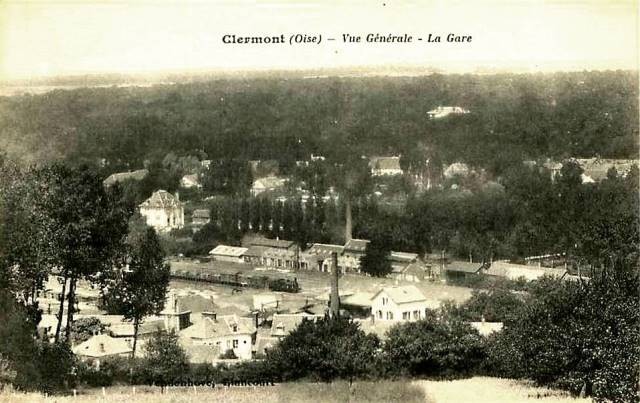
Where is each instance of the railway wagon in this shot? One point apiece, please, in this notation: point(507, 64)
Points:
point(272, 281)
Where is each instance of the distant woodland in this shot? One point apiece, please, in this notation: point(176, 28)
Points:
point(513, 117)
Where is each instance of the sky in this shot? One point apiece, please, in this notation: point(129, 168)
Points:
point(48, 38)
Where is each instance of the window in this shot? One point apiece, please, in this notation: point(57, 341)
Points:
point(389, 315)
point(406, 315)
point(385, 300)
point(379, 314)
point(416, 314)
point(235, 343)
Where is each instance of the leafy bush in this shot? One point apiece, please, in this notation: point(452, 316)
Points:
point(582, 337)
point(330, 348)
point(433, 347)
point(166, 361)
point(498, 305)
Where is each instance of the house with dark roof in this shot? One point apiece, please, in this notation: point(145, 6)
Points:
point(404, 303)
point(459, 269)
point(163, 211)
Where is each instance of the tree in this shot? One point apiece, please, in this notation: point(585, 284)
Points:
point(143, 285)
point(84, 228)
point(165, 362)
point(375, 261)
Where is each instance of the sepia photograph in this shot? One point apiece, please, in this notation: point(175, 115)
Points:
point(284, 201)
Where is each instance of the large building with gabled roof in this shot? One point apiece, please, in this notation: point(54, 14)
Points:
point(163, 211)
point(406, 303)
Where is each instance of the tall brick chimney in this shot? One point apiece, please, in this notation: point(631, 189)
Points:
point(348, 224)
point(334, 307)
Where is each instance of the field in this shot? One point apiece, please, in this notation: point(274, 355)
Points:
point(477, 390)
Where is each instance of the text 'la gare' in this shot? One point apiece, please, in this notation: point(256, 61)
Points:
point(404, 38)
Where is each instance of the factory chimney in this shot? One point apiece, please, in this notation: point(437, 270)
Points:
point(348, 224)
point(334, 307)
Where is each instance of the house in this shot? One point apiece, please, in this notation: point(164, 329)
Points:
point(138, 175)
point(513, 271)
point(321, 253)
point(190, 181)
point(416, 271)
point(459, 269)
point(256, 240)
point(100, 347)
point(267, 184)
point(163, 211)
point(456, 169)
point(200, 217)
point(352, 252)
point(224, 253)
point(125, 330)
point(443, 111)
point(283, 324)
point(405, 303)
point(175, 317)
point(385, 166)
point(597, 169)
point(277, 253)
point(408, 267)
point(224, 332)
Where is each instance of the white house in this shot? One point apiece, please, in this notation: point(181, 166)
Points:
point(228, 332)
point(100, 347)
point(190, 181)
point(443, 111)
point(406, 303)
point(163, 211)
point(226, 253)
point(385, 166)
point(266, 184)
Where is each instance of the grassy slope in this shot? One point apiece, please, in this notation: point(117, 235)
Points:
point(491, 390)
point(477, 390)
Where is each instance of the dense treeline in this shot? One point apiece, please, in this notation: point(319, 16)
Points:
point(512, 117)
point(527, 214)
